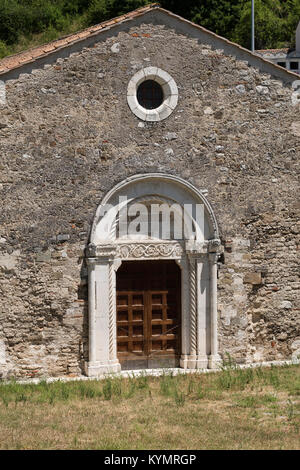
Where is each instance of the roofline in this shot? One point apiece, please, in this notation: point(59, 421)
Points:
point(11, 67)
point(281, 72)
point(33, 54)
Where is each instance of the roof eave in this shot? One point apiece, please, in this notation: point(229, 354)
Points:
point(66, 45)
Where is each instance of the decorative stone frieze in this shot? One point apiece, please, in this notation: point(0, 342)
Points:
point(149, 250)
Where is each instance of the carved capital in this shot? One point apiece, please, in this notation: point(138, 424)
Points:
point(91, 262)
point(214, 246)
point(214, 257)
point(194, 247)
point(91, 250)
point(101, 251)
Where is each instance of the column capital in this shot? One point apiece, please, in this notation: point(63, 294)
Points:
point(91, 262)
point(214, 246)
point(101, 252)
point(213, 257)
point(196, 248)
point(196, 257)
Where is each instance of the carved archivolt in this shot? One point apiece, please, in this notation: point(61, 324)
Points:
point(150, 187)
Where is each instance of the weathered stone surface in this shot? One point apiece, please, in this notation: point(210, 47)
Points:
point(43, 257)
point(63, 237)
point(262, 90)
point(83, 139)
point(240, 89)
point(115, 48)
point(252, 278)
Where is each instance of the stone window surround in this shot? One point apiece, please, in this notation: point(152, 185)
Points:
point(169, 88)
point(198, 264)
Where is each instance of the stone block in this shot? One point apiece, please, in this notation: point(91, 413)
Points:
point(286, 304)
point(252, 278)
point(63, 237)
point(43, 257)
point(9, 261)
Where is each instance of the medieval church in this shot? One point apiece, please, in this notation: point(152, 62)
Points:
point(146, 110)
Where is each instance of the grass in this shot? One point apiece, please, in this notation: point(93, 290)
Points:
point(232, 409)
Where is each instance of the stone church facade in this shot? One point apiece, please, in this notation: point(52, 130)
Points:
point(79, 132)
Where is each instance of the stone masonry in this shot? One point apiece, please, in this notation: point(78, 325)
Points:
point(67, 136)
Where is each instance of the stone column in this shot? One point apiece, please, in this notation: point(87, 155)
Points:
point(214, 359)
point(92, 309)
point(192, 356)
point(102, 317)
point(185, 304)
point(113, 359)
point(203, 287)
point(198, 285)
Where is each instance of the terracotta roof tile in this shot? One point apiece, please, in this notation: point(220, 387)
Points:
point(17, 60)
point(60, 43)
point(12, 63)
point(109, 23)
point(36, 52)
point(80, 35)
point(25, 58)
point(48, 47)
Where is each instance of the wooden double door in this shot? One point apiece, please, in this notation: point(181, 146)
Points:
point(148, 314)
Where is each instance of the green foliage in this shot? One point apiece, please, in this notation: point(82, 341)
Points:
point(107, 389)
point(4, 49)
point(253, 401)
point(275, 20)
point(290, 410)
point(101, 10)
point(166, 385)
point(269, 24)
point(179, 398)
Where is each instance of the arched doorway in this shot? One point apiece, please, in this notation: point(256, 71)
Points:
point(190, 240)
point(148, 304)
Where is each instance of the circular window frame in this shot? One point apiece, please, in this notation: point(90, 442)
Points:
point(170, 92)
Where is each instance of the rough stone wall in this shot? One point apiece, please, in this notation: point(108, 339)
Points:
point(67, 136)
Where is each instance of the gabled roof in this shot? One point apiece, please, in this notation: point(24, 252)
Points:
point(18, 60)
point(24, 62)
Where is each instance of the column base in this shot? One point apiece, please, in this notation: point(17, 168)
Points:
point(214, 362)
point(202, 362)
point(98, 369)
point(193, 362)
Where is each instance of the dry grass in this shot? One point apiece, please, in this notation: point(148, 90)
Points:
point(233, 409)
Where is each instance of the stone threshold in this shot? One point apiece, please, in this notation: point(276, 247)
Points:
point(151, 372)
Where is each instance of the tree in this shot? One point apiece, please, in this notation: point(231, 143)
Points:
point(268, 24)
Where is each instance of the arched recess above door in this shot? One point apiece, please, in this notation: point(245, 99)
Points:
point(159, 188)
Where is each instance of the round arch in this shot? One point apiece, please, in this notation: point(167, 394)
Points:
point(158, 186)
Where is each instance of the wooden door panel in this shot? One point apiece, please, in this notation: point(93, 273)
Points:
point(130, 324)
point(148, 315)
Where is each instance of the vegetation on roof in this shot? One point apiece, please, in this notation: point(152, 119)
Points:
point(27, 23)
